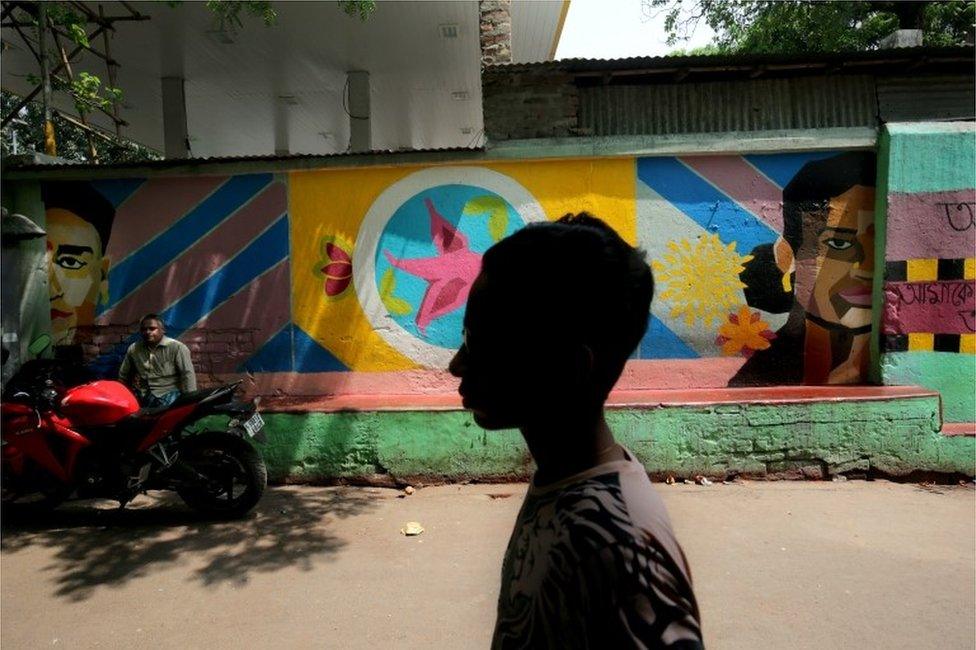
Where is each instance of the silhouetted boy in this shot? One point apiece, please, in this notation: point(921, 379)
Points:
point(592, 563)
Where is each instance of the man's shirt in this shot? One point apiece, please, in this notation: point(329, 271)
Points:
point(593, 563)
point(163, 368)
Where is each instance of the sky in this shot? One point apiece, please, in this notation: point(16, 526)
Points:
point(611, 29)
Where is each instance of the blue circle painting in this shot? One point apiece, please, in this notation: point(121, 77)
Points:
point(430, 253)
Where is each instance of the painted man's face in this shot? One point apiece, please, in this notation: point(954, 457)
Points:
point(835, 266)
point(845, 257)
point(77, 272)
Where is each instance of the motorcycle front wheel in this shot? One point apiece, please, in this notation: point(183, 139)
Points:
point(229, 475)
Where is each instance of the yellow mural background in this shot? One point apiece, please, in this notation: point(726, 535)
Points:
point(332, 203)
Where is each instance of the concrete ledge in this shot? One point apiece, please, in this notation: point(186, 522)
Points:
point(797, 434)
point(959, 429)
point(618, 399)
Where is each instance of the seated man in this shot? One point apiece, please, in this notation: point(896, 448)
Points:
point(593, 561)
point(157, 368)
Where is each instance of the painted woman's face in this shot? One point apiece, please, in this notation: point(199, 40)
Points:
point(77, 272)
point(842, 262)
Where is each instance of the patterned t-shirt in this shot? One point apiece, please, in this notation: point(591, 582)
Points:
point(593, 563)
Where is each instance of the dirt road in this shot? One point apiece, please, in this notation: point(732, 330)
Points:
point(776, 565)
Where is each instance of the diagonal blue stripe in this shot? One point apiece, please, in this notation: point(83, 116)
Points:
point(274, 355)
point(310, 356)
point(702, 202)
point(661, 343)
point(127, 275)
point(265, 251)
point(782, 167)
point(118, 190)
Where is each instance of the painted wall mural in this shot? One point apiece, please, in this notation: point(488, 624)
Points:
point(355, 280)
point(766, 257)
point(928, 320)
point(930, 293)
point(79, 223)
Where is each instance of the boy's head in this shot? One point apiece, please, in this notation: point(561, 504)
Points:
point(550, 321)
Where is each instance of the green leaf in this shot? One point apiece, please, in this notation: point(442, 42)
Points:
point(78, 34)
point(483, 204)
point(387, 283)
point(394, 305)
point(495, 208)
point(498, 224)
point(362, 8)
point(397, 306)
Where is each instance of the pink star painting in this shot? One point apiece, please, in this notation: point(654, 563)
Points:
point(449, 274)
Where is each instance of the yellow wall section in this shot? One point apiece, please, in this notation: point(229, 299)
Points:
point(331, 203)
point(325, 204)
point(607, 188)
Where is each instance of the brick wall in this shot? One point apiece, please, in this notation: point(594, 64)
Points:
point(528, 104)
point(496, 31)
point(214, 351)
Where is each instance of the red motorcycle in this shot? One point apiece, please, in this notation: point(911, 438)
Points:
point(92, 440)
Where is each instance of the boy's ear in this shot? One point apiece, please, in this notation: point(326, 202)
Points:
point(586, 363)
point(588, 358)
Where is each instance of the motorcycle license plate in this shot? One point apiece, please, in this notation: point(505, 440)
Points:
point(254, 424)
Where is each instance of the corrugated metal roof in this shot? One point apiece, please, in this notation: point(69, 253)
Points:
point(718, 62)
point(912, 98)
point(740, 105)
point(36, 162)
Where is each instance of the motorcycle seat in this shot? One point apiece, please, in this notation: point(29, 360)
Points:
point(195, 396)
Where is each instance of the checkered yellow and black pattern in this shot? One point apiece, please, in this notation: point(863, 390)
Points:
point(930, 270)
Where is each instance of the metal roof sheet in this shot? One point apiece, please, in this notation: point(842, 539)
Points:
point(40, 162)
point(854, 59)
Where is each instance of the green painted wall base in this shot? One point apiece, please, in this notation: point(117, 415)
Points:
point(812, 440)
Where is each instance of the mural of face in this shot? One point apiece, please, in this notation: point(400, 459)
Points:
point(77, 272)
point(835, 264)
point(845, 257)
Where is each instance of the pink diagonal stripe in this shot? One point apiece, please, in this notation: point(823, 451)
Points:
point(743, 184)
point(154, 207)
point(202, 259)
point(261, 308)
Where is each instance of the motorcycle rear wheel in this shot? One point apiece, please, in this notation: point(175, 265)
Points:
point(231, 475)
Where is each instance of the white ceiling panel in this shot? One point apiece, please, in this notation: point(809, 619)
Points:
point(534, 29)
point(233, 89)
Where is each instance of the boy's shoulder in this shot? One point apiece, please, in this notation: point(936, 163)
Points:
point(587, 514)
point(614, 508)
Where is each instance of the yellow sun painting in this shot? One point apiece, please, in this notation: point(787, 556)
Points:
point(700, 279)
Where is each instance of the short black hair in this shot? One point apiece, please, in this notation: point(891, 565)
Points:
point(83, 200)
point(578, 279)
point(817, 182)
point(810, 190)
point(154, 317)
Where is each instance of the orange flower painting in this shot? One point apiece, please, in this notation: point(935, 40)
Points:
point(744, 333)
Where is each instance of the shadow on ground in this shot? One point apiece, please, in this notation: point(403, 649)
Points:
point(98, 546)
